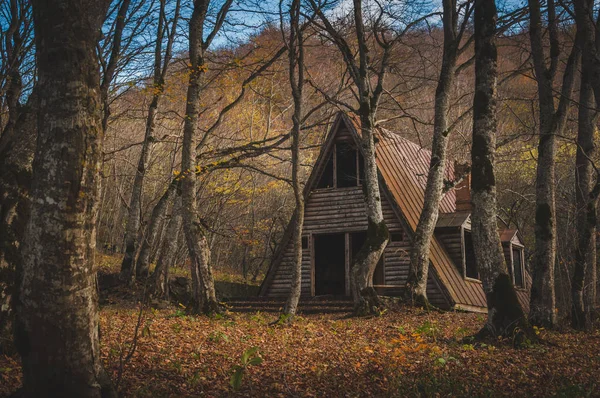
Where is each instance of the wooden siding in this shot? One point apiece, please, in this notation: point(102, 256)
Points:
point(342, 210)
point(403, 166)
point(451, 239)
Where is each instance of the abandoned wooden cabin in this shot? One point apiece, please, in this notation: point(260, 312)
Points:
point(335, 226)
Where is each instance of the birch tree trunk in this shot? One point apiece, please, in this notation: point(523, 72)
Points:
point(416, 284)
point(505, 316)
point(57, 310)
point(160, 276)
point(296, 77)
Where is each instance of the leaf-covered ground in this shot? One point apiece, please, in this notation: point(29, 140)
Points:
point(408, 353)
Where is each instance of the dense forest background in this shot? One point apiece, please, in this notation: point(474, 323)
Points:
point(202, 121)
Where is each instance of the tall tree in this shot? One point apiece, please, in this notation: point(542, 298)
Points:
point(552, 121)
point(204, 297)
point(586, 197)
point(161, 64)
point(368, 97)
point(57, 310)
point(17, 144)
point(505, 315)
point(296, 77)
point(416, 284)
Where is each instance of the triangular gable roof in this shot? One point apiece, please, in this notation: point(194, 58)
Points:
point(403, 166)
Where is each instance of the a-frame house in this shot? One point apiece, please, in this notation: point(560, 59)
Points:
point(335, 226)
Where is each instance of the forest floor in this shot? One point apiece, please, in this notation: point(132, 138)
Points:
point(408, 352)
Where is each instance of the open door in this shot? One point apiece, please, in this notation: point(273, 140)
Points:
point(330, 264)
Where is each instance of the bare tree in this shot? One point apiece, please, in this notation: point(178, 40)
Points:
point(368, 97)
point(295, 46)
point(586, 198)
point(17, 144)
point(552, 123)
point(204, 297)
point(57, 310)
point(505, 315)
point(416, 284)
point(161, 64)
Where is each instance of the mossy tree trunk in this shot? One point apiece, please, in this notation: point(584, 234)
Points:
point(17, 145)
point(204, 297)
point(585, 196)
point(364, 295)
point(57, 310)
point(505, 315)
point(369, 82)
point(416, 284)
point(552, 121)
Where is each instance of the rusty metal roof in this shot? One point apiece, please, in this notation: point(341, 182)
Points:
point(393, 156)
point(404, 166)
point(449, 220)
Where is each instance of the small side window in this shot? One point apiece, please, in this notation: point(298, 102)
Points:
point(304, 242)
point(396, 237)
point(517, 265)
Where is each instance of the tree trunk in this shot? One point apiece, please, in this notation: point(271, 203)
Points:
point(585, 199)
point(204, 297)
point(57, 310)
point(505, 316)
point(160, 276)
point(135, 203)
point(416, 284)
point(17, 144)
point(143, 261)
point(296, 77)
point(17, 147)
point(365, 298)
point(552, 122)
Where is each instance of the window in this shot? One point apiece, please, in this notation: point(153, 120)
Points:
point(343, 168)
point(326, 180)
point(517, 266)
point(304, 242)
point(470, 270)
point(396, 237)
point(346, 165)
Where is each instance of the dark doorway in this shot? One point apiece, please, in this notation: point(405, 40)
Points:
point(357, 239)
point(330, 264)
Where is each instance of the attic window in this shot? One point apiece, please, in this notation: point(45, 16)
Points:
point(347, 165)
point(470, 266)
point(343, 167)
point(517, 266)
point(326, 180)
